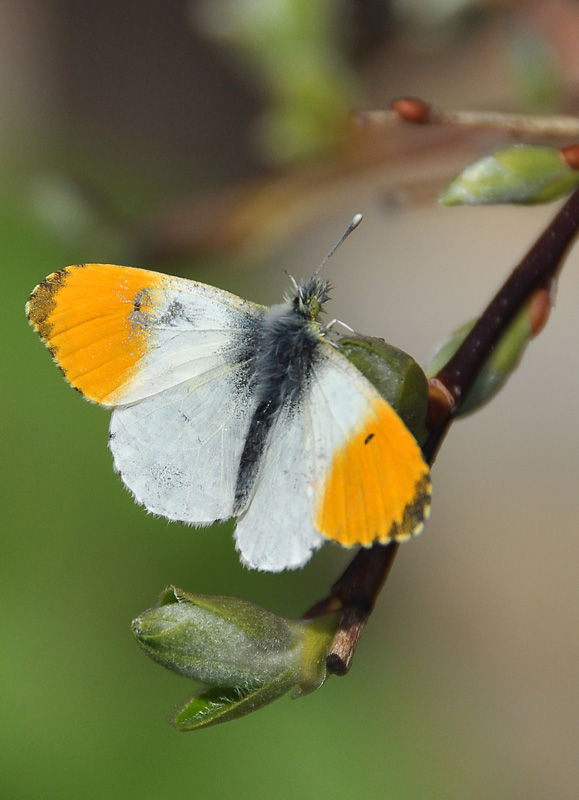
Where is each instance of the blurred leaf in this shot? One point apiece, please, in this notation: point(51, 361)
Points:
point(537, 71)
point(521, 173)
point(501, 364)
point(294, 50)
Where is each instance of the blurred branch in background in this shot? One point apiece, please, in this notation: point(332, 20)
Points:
point(320, 151)
point(256, 217)
point(283, 143)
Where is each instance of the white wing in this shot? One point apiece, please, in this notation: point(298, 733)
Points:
point(181, 421)
point(191, 330)
point(276, 530)
point(178, 451)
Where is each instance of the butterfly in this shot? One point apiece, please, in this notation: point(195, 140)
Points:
point(226, 408)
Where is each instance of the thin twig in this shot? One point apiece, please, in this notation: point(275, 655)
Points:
point(356, 591)
point(412, 109)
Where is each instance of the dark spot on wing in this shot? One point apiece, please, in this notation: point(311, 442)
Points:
point(140, 315)
point(137, 302)
point(369, 438)
point(175, 313)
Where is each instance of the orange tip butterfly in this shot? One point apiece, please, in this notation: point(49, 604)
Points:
point(225, 408)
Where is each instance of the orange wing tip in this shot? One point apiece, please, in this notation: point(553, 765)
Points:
point(377, 488)
point(411, 523)
point(87, 316)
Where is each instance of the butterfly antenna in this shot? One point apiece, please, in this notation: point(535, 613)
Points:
point(356, 220)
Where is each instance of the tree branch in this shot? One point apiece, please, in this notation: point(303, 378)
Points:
point(417, 111)
point(357, 590)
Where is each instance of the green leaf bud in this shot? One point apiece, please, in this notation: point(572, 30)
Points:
point(244, 653)
point(520, 173)
point(220, 641)
point(223, 704)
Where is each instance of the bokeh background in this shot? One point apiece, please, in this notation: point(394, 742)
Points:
point(128, 129)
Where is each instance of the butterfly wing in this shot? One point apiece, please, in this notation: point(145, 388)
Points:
point(372, 482)
point(276, 530)
point(341, 465)
point(178, 451)
point(121, 334)
point(172, 356)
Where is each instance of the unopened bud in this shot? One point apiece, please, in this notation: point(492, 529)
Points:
point(520, 173)
point(246, 655)
point(220, 641)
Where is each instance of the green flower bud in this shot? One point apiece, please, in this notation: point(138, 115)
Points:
point(520, 173)
point(220, 641)
point(244, 653)
point(396, 375)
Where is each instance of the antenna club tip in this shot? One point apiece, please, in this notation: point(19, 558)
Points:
point(356, 220)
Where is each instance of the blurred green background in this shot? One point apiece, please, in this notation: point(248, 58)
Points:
point(465, 682)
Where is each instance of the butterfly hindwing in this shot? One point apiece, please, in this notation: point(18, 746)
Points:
point(276, 530)
point(179, 450)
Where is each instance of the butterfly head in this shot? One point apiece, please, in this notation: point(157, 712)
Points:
point(309, 297)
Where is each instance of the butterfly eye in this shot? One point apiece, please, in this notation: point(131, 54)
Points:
point(314, 307)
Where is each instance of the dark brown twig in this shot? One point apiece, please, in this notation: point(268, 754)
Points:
point(356, 591)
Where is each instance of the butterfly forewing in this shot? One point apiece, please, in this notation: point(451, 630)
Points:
point(372, 483)
point(173, 356)
point(121, 334)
